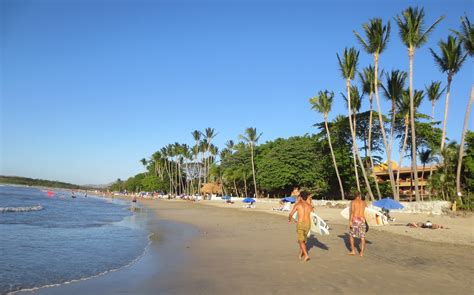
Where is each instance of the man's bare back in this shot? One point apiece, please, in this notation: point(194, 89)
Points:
point(304, 210)
point(357, 209)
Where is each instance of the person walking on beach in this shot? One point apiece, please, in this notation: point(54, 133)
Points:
point(357, 223)
point(303, 224)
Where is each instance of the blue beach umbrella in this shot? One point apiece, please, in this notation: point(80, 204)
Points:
point(225, 197)
point(248, 200)
point(290, 199)
point(387, 203)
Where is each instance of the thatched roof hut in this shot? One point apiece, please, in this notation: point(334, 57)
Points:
point(211, 188)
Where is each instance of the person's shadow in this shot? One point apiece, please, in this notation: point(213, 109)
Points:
point(313, 242)
point(347, 242)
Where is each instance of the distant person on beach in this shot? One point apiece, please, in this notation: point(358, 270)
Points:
point(303, 224)
point(357, 225)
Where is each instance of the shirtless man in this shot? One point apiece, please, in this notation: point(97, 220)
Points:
point(357, 227)
point(303, 225)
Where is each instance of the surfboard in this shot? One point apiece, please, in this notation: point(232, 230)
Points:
point(373, 217)
point(318, 225)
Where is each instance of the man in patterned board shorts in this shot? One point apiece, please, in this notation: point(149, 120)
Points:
point(357, 226)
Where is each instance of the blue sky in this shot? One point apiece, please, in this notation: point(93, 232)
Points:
point(88, 88)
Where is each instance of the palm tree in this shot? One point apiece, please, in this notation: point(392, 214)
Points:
point(434, 92)
point(376, 41)
point(355, 105)
point(426, 157)
point(251, 138)
point(348, 67)
point(322, 104)
point(413, 35)
point(395, 84)
point(144, 163)
point(450, 62)
point(209, 134)
point(467, 38)
point(197, 139)
point(403, 105)
point(368, 86)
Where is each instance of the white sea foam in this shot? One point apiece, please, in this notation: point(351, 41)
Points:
point(21, 209)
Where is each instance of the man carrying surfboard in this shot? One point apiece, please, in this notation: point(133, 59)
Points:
point(303, 224)
point(357, 226)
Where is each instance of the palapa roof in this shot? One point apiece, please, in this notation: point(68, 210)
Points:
point(211, 188)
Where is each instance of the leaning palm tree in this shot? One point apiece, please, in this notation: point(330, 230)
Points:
point(434, 92)
point(355, 105)
point(368, 86)
point(467, 38)
point(209, 134)
point(322, 104)
point(348, 67)
point(376, 41)
point(413, 35)
point(251, 138)
point(450, 62)
point(403, 105)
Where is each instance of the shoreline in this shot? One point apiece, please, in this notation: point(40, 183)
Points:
point(248, 252)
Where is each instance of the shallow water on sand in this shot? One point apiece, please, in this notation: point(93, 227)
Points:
point(50, 239)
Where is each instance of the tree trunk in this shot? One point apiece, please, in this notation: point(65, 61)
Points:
point(432, 113)
point(421, 186)
point(354, 158)
point(392, 128)
point(245, 185)
point(461, 146)
point(333, 157)
point(354, 142)
point(253, 172)
point(412, 123)
point(370, 150)
point(446, 106)
point(402, 154)
point(384, 135)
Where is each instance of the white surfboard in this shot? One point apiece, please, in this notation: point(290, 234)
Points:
point(318, 225)
point(373, 217)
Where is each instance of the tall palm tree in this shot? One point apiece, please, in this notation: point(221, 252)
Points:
point(348, 67)
point(403, 106)
point(376, 41)
point(434, 92)
point(322, 103)
point(467, 38)
point(413, 35)
point(449, 61)
point(355, 105)
point(425, 158)
point(197, 139)
point(368, 86)
point(209, 134)
point(144, 163)
point(251, 138)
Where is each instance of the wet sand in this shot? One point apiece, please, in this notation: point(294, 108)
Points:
point(205, 249)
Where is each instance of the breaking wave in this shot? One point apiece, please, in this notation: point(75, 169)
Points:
point(21, 209)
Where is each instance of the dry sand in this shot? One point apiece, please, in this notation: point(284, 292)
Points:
point(247, 251)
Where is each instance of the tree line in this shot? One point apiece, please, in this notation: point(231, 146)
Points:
point(352, 144)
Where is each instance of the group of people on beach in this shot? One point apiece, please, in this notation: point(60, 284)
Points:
point(303, 207)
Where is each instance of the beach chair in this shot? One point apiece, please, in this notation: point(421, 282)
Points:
point(286, 207)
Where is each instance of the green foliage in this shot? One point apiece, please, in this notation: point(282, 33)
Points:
point(38, 182)
point(285, 163)
point(468, 163)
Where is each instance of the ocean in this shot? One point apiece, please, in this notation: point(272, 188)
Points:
point(52, 239)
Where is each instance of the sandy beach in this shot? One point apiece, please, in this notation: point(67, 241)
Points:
point(202, 249)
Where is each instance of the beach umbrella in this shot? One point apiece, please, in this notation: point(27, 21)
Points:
point(226, 197)
point(248, 200)
point(290, 199)
point(387, 203)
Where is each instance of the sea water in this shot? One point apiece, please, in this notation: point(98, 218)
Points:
point(54, 239)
